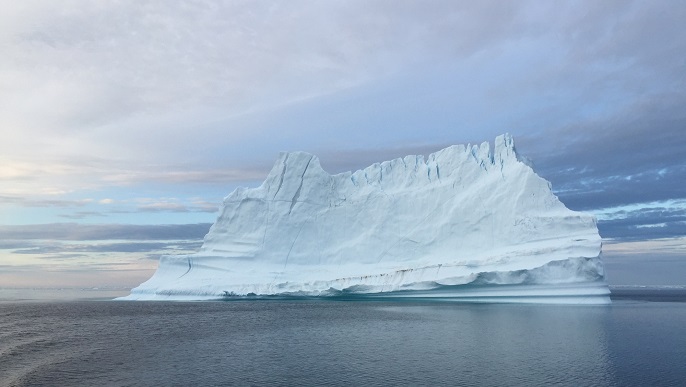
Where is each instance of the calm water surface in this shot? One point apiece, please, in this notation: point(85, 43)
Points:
point(635, 341)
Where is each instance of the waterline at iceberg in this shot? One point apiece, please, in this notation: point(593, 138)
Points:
point(466, 224)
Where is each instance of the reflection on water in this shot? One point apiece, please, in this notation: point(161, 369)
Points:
point(527, 344)
point(647, 342)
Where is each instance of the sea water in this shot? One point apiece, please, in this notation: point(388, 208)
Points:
point(638, 340)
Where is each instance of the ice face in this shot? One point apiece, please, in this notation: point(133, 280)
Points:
point(466, 218)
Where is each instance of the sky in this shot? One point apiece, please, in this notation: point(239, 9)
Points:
point(123, 124)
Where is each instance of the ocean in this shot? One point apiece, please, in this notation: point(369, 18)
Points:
point(639, 340)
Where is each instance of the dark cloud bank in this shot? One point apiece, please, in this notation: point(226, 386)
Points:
point(637, 158)
point(633, 160)
point(86, 232)
point(71, 240)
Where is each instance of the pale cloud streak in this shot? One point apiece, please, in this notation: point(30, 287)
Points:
point(149, 81)
point(38, 181)
point(96, 232)
point(176, 205)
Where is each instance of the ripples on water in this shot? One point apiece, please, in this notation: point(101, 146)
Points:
point(341, 343)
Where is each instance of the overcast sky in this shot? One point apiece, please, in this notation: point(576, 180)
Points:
point(137, 117)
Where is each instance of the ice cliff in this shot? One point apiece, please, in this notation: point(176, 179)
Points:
point(469, 223)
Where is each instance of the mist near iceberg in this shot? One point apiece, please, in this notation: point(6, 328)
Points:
point(468, 223)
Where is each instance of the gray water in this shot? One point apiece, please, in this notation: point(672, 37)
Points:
point(635, 341)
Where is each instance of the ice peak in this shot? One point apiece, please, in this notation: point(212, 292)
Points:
point(504, 149)
point(504, 143)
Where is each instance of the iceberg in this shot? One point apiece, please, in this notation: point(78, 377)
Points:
point(468, 223)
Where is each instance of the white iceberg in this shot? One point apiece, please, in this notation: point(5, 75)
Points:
point(466, 224)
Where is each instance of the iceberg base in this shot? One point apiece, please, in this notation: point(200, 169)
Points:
point(568, 281)
point(593, 293)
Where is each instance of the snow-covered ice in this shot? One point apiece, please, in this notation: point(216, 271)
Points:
point(467, 224)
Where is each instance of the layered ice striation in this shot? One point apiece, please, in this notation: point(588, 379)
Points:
point(466, 224)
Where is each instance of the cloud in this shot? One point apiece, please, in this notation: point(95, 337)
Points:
point(81, 175)
point(52, 251)
point(92, 232)
point(159, 207)
point(63, 251)
point(82, 215)
point(181, 176)
point(61, 203)
point(175, 205)
point(650, 222)
point(17, 244)
point(134, 75)
point(92, 208)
